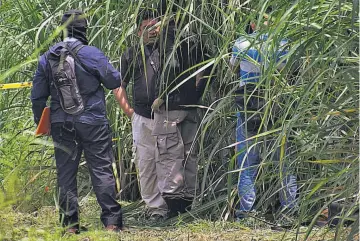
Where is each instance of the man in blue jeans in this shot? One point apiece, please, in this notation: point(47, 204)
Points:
point(249, 59)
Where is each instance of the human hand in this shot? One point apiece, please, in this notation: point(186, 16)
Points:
point(130, 113)
point(157, 104)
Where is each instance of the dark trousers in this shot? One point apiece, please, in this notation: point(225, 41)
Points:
point(70, 139)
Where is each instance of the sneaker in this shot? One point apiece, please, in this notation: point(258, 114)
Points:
point(113, 228)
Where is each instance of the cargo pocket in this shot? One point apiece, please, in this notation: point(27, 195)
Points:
point(166, 130)
point(166, 142)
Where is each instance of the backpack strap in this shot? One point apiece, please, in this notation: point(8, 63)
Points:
point(77, 46)
point(73, 50)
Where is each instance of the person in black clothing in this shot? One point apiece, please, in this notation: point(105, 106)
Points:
point(143, 76)
point(175, 115)
point(88, 131)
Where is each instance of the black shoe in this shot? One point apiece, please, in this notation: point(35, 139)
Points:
point(178, 205)
point(174, 206)
point(185, 205)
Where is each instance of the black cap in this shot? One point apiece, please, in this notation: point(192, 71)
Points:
point(79, 20)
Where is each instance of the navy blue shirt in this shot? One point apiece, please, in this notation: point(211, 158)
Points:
point(90, 85)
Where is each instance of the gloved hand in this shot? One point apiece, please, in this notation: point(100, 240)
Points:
point(157, 104)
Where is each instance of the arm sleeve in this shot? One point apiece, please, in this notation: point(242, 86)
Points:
point(107, 74)
point(125, 69)
point(40, 91)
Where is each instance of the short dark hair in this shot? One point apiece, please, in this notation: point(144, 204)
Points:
point(145, 15)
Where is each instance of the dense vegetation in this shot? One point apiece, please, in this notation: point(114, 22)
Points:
point(318, 92)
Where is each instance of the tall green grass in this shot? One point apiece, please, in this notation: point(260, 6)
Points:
point(319, 104)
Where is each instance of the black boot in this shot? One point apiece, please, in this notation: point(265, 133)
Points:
point(174, 206)
point(185, 205)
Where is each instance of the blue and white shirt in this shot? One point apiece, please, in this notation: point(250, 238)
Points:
point(255, 55)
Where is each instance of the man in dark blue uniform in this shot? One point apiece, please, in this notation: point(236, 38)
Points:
point(88, 131)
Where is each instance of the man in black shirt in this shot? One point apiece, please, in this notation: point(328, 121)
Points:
point(141, 65)
point(175, 116)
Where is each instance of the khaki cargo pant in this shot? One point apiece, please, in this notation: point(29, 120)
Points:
point(175, 132)
point(144, 146)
